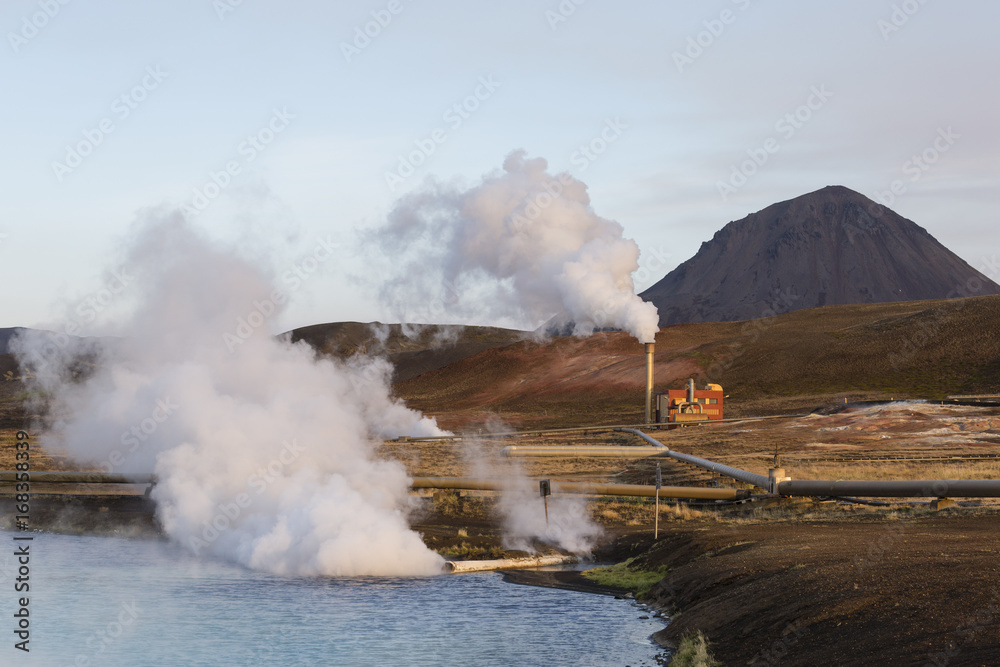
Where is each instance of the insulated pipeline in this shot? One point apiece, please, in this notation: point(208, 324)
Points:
point(79, 478)
point(916, 488)
point(722, 469)
point(472, 484)
point(585, 488)
point(583, 451)
point(458, 566)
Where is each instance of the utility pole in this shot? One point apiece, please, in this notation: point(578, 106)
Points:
point(545, 489)
point(656, 520)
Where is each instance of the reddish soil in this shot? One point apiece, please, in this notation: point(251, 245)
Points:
point(800, 360)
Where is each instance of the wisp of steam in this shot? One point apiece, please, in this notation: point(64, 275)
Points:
point(265, 453)
point(521, 245)
point(566, 523)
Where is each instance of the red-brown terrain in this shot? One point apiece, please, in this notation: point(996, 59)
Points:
point(788, 363)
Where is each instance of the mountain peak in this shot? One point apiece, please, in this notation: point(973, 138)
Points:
point(831, 246)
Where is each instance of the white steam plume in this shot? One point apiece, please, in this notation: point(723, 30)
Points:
point(568, 525)
point(523, 244)
point(264, 453)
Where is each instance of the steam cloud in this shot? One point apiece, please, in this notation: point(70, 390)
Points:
point(520, 245)
point(264, 453)
point(568, 525)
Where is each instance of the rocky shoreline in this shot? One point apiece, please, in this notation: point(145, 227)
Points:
point(908, 591)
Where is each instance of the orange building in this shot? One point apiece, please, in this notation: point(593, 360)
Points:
point(689, 405)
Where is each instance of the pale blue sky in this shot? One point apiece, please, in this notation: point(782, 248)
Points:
point(886, 96)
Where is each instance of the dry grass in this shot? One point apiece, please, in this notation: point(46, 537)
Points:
point(479, 455)
point(456, 504)
point(641, 511)
point(693, 651)
point(748, 445)
point(466, 551)
point(40, 459)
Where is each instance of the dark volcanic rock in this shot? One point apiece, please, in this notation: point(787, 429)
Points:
point(832, 246)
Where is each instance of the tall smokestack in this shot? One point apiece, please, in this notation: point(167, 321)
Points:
point(649, 381)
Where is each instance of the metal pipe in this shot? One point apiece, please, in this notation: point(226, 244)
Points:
point(690, 390)
point(587, 429)
point(577, 451)
point(939, 488)
point(459, 483)
point(643, 491)
point(458, 566)
point(729, 471)
point(722, 469)
point(79, 478)
point(585, 488)
point(650, 348)
point(653, 441)
point(960, 397)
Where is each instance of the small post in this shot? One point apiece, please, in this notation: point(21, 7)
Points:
point(545, 489)
point(656, 520)
point(774, 477)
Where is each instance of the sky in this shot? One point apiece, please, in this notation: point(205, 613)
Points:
point(290, 128)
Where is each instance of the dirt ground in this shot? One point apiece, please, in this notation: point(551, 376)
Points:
point(800, 582)
point(899, 440)
point(804, 583)
point(919, 590)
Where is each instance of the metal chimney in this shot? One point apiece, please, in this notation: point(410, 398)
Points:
point(650, 347)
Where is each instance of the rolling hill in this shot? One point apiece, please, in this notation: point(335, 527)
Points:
point(798, 360)
point(419, 349)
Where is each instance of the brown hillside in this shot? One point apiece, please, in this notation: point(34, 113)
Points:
point(427, 348)
point(925, 349)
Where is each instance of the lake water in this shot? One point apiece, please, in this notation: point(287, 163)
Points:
point(98, 601)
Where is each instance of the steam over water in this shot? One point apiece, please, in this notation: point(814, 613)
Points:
point(528, 520)
point(522, 244)
point(265, 454)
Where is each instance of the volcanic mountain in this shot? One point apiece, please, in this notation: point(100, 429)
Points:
point(832, 246)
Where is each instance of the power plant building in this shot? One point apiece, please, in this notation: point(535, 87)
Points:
point(690, 404)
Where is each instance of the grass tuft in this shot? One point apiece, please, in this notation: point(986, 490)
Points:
point(694, 652)
point(466, 551)
point(626, 575)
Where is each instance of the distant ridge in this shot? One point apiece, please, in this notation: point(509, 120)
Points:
point(829, 247)
point(412, 349)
